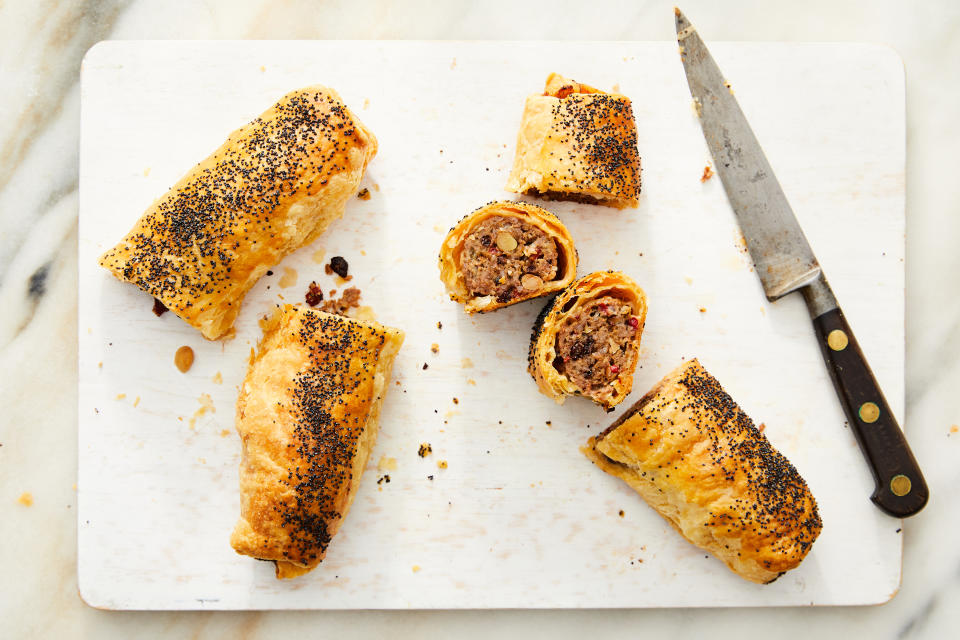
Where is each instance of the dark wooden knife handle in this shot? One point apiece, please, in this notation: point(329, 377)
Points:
point(901, 490)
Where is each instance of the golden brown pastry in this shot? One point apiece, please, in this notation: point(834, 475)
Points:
point(308, 417)
point(506, 252)
point(586, 341)
point(697, 458)
point(577, 143)
point(272, 187)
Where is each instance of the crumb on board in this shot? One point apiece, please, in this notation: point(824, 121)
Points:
point(466, 363)
point(471, 381)
point(26, 499)
point(424, 450)
point(314, 295)
point(136, 402)
point(425, 366)
point(224, 433)
point(288, 279)
point(183, 358)
point(456, 401)
point(761, 427)
point(441, 464)
point(434, 348)
point(439, 325)
point(703, 309)
point(620, 513)
point(416, 568)
point(384, 479)
point(366, 103)
point(121, 396)
point(217, 378)
point(954, 428)
point(707, 173)
point(349, 299)
point(386, 464)
point(364, 194)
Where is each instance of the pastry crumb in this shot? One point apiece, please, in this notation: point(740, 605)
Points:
point(439, 325)
point(425, 366)
point(471, 381)
point(416, 568)
point(364, 194)
point(456, 401)
point(466, 363)
point(136, 402)
point(26, 499)
point(349, 299)
point(224, 433)
point(761, 427)
point(288, 279)
point(425, 450)
point(707, 174)
point(314, 295)
point(620, 513)
point(217, 378)
point(434, 348)
point(206, 405)
point(954, 428)
point(121, 396)
point(442, 464)
point(384, 479)
point(387, 464)
point(703, 309)
point(366, 103)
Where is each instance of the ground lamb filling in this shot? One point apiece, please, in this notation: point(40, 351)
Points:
point(507, 257)
point(596, 343)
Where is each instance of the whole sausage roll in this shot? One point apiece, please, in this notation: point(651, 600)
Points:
point(586, 341)
point(271, 188)
point(577, 143)
point(697, 458)
point(506, 252)
point(308, 415)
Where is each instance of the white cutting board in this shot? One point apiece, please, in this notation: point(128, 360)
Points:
point(519, 518)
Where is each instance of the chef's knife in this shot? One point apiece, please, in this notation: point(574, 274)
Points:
point(785, 263)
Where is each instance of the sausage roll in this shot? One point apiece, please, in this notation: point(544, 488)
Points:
point(307, 415)
point(697, 458)
point(587, 340)
point(272, 187)
point(577, 143)
point(506, 252)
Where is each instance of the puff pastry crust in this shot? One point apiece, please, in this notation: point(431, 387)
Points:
point(603, 293)
point(453, 255)
point(275, 185)
point(308, 417)
point(689, 450)
point(577, 143)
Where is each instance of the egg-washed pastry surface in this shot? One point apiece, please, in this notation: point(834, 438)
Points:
point(272, 187)
point(308, 415)
point(586, 341)
point(577, 143)
point(692, 453)
point(504, 253)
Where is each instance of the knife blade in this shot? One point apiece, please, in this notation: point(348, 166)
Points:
point(785, 263)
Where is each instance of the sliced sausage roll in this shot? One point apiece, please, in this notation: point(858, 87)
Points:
point(587, 340)
point(506, 252)
point(692, 453)
point(577, 143)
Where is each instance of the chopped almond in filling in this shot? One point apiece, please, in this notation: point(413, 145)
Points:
point(596, 343)
point(507, 257)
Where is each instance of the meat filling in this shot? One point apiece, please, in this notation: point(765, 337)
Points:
point(507, 257)
point(596, 343)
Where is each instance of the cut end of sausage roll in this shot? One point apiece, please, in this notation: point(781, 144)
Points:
point(689, 450)
point(308, 415)
point(274, 186)
point(577, 143)
point(504, 253)
point(586, 341)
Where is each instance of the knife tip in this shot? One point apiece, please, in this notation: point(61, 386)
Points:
point(680, 19)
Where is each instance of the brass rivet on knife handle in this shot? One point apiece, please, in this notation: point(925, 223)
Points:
point(900, 485)
point(837, 340)
point(869, 412)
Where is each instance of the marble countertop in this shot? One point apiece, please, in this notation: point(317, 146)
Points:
point(41, 45)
